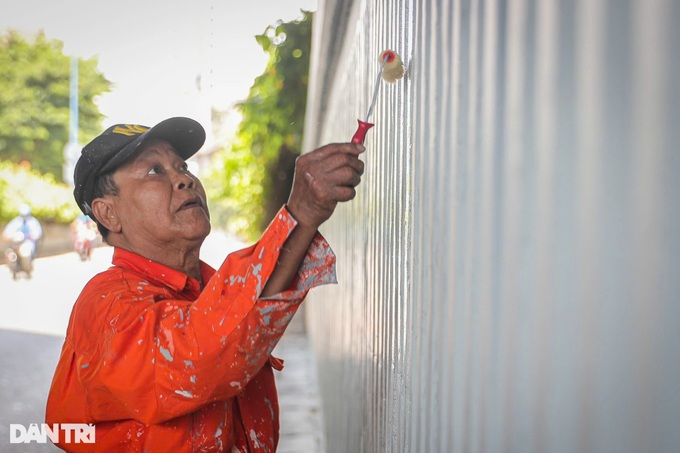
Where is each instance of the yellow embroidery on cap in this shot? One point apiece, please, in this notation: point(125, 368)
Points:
point(130, 129)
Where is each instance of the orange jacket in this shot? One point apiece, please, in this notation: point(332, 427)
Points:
point(160, 366)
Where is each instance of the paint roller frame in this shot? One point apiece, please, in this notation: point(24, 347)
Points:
point(391, 70)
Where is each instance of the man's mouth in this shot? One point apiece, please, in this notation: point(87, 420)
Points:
point(194, 202)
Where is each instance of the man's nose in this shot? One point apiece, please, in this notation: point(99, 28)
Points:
point(184, 181)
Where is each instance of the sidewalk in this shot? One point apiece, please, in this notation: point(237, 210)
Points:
point(299, 402)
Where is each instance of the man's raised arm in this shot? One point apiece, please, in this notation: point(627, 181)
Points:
point(323, 178)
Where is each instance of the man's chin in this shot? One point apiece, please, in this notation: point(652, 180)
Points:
point(199, 233)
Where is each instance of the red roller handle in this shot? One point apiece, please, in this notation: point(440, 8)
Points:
point(361, 132)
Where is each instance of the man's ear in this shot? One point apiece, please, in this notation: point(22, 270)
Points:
point(105, 213)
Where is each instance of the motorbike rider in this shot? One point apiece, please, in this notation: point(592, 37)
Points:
point(24, 226)
point(84, 235)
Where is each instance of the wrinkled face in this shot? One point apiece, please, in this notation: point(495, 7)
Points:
point(159, 200)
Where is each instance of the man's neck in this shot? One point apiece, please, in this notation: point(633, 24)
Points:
point(184, 259)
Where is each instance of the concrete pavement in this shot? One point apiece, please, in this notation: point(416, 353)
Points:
point(34, 318)
point(300, 406)
point(28, 361)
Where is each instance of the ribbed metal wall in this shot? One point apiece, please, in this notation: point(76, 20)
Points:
point(510, 270)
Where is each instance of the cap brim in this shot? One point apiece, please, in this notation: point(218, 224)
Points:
point(187, 136)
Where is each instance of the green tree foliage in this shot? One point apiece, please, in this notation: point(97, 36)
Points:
point(254, 178)
point(34, 101)
point(50, 201)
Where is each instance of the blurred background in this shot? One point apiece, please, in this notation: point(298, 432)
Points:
point(72, 70)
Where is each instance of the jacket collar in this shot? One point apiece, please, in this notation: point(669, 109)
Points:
point(159, 273)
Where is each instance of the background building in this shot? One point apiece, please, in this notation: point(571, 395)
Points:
point(509, 270)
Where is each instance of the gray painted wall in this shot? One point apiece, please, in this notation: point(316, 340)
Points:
point(509, 270)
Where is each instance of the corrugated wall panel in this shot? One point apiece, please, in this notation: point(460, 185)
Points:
point(509, 270)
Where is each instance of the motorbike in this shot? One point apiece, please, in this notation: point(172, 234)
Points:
point(84, 239)
point(19, 255)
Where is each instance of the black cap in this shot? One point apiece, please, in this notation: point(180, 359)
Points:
point(120, 142)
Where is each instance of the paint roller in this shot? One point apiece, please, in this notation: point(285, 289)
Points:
point(391, 70)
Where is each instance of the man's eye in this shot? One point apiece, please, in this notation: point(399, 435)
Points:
point(184, 167)
point(155, 170)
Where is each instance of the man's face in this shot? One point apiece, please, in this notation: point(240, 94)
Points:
point(159, 200)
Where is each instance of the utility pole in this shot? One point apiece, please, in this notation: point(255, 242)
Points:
point(72, 148)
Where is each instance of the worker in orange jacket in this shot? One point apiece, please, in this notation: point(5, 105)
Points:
point(164, 353)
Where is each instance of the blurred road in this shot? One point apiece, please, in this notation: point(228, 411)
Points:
point(33, 320)
point(43, 304)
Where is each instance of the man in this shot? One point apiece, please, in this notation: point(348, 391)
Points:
point(83, 236)
point(163, 353)
point(24, 227)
